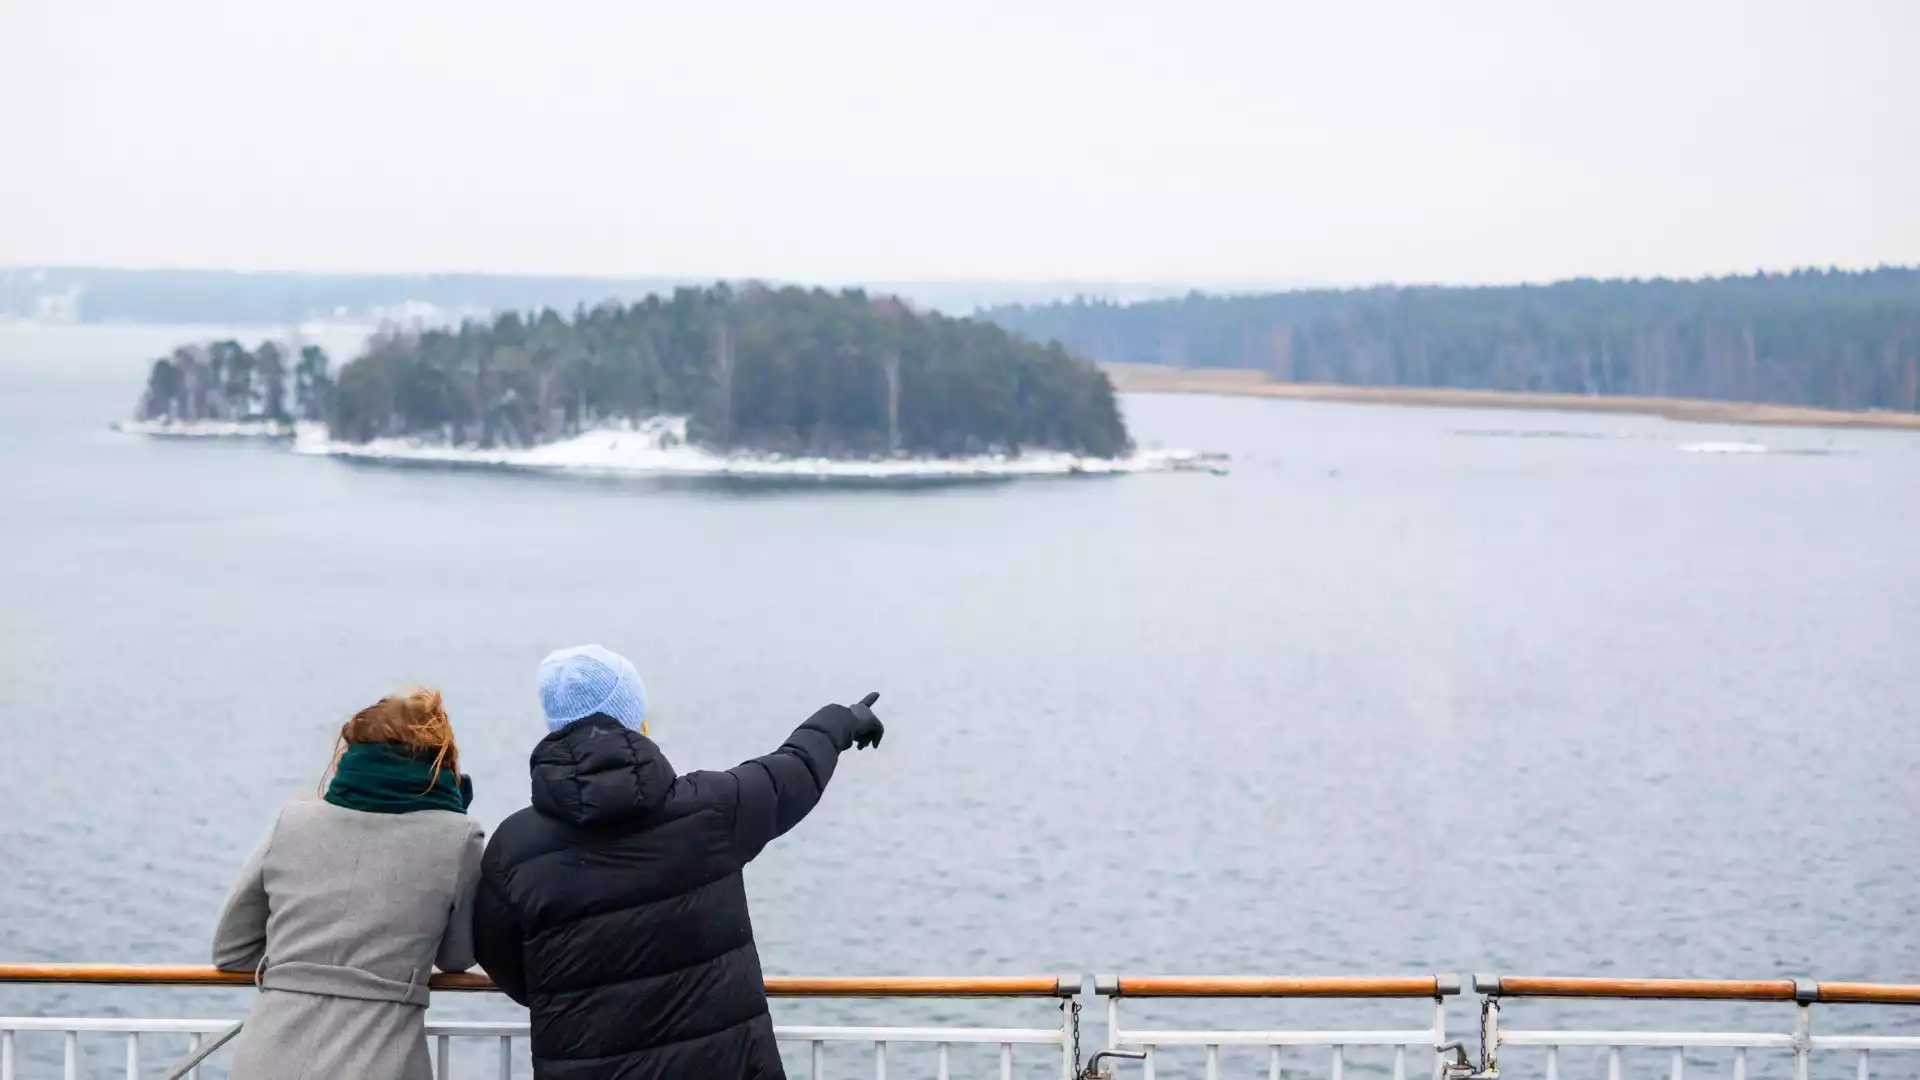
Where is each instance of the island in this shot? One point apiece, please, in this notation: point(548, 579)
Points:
point(742, 380)
point(785, 371)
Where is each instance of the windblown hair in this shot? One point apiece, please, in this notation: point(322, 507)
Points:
point(416, 721)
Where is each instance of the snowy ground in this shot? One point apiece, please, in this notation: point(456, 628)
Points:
point(656, 453)
point(208, 429)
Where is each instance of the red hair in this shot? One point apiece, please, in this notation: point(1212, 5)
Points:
point(415, 720)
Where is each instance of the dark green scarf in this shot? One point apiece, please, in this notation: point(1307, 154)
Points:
point(384, 778)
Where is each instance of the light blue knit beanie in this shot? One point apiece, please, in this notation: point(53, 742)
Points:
point(588, 679)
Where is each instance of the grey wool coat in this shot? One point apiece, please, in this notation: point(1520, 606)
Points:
point(342, 915)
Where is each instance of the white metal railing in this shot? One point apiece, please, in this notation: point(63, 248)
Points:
point(938, 1044)
point(1800, 1042)
point(131, 1030)
point(1426, 1040)
point(942, 1040)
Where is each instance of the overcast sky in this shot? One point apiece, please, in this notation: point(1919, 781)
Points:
point(1198, 141)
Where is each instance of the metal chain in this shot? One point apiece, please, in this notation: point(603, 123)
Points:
point(1075, 1006)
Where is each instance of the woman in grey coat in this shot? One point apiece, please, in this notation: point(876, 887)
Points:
point(345, 909)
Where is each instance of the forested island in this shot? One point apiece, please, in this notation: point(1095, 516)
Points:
point(1830, 339)
point(754, 370)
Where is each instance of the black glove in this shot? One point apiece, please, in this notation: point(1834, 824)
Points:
point(466, 791)
point(867, 728)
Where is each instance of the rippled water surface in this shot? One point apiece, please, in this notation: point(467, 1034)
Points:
point(1410, 690)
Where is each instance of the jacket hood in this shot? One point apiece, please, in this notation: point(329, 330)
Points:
point(596, 772)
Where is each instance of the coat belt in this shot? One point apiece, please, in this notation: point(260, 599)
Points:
point(329, 980)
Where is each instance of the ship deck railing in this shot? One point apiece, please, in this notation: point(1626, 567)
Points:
point(1796, 1039)
point(943, 1040)
point(1432, 991)
point(1420, 1047)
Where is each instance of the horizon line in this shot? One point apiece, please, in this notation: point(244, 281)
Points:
point(1235, 285)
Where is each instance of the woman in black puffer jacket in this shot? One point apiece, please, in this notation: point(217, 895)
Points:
point(614, 906)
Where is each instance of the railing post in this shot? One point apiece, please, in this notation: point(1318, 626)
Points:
point(1802, 1041)
point(1108, 986)
point(1490, 1035)
point(1805, 993)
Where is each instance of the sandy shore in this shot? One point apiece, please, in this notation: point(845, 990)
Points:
point(1153, 379)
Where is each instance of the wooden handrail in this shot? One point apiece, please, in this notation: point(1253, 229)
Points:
point(901, 986)
point(1278, 986)
point(1828, 993)
point(1854, 993)
point(923, 986)
point(1158, 986)
point(126, 974)
point(1651, 989)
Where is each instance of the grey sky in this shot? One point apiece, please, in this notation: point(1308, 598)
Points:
point(884, 139)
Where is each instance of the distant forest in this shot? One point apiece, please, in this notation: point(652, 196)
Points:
point(1844, 340)
point(790, 370)
point(281, 298)
point(243, 298)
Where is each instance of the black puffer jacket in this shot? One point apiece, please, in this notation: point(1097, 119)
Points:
point(614, 907)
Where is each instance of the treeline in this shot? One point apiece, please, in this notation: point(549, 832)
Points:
point(277, 298)
point(226, 381)
point(1845, 340)
point(788, 371)
point(249, 298)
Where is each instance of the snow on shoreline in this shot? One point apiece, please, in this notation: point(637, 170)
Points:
point(208, 429)
point(610, 451)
